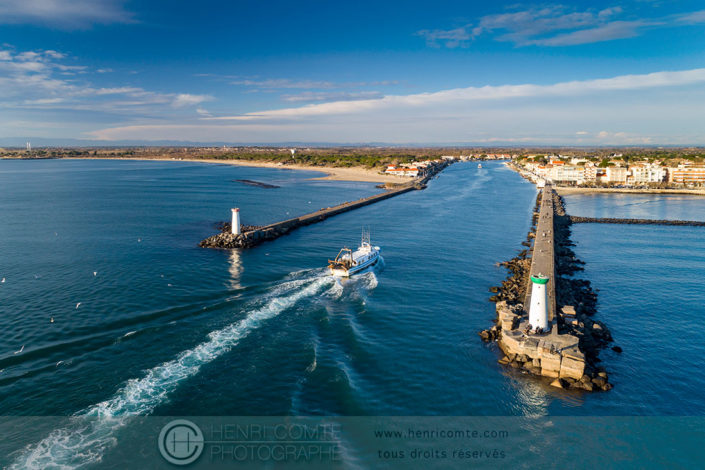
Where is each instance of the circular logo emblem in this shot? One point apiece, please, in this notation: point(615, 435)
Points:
point(181, 442)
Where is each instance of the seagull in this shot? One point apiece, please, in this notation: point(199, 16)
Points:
point(21, 349)
point(78, 304)
point(3, 281)
point(52, 320)
point(95, 273)
point(139, 240)
point(169, 285)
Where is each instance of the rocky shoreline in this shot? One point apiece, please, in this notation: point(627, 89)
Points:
point(568, 357)
point(610, 220)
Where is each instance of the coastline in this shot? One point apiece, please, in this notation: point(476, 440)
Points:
point(571, 190)
point(359, 174)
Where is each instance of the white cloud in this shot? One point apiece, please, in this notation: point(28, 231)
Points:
point(64, 13)
point(288, 83)
point(473, 94)
point(452, 38)
point(279, 83)
point(37, 80)
point(309, 96)
point(665, 107)
point(556, 25)
point(606, 32)
point(696, 17)
point(185, 99)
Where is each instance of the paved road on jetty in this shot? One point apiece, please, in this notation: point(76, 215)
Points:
point(542, 257)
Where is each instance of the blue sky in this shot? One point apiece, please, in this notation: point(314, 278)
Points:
point(254, 71)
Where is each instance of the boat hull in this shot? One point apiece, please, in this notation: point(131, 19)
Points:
point(337, 272)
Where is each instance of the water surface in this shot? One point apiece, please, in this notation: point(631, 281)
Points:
point(167, 328)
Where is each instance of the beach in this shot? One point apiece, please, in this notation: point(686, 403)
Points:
point(362, 174)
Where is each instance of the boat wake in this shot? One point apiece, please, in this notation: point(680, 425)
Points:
point(85, 441)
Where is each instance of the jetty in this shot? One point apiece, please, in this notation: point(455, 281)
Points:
point(611, 220)
point(544, 323)
point(543, 253)
point(235, 235)
point(535, 336)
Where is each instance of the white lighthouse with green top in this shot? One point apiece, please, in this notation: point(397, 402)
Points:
point(538, 310)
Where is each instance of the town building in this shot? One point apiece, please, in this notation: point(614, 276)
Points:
point(687, 174)
point(617, 174)
point(644, 173)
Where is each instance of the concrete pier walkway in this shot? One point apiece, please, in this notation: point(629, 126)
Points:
point(543, 253)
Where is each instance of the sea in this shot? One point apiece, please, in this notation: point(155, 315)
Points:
point(108, 308)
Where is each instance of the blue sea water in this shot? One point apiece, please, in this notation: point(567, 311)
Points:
point(146, 322)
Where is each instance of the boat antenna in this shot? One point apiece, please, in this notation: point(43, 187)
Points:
point(365, 235)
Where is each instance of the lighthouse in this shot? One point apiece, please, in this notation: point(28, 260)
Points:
point(236, 222)
point(538, 311)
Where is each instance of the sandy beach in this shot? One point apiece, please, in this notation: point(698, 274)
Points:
point(331, 173)
point(572, 190)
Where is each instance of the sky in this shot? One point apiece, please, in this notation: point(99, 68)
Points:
point(588, 73)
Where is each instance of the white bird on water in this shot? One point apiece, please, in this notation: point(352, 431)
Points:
point(3, 281)
point(21, 349)
point(78, 304)
point(95, 273)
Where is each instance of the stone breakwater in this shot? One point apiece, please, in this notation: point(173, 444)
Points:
point(252, 236)
point(608, 220)
point(257, 235)
point(568, 355)
point(257, 184)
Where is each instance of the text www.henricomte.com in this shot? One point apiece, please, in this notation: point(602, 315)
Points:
point(440, 434)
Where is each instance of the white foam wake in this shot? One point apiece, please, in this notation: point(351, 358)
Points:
point(86, 440)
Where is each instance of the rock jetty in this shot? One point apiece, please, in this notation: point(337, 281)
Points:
point(609, 220)
point(257, 184)
point(250, 236)
point(567, 356)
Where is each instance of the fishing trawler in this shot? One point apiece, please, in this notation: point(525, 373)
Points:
point(350, 262)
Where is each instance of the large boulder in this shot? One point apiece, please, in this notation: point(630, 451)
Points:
point(572, 368)
point(551, 365)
